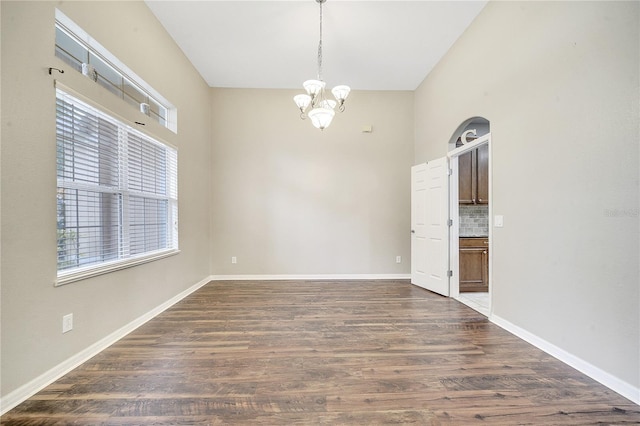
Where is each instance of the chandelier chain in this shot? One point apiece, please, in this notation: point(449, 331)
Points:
point(320, 46)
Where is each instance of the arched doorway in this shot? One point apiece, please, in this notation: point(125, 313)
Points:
point(469, 151)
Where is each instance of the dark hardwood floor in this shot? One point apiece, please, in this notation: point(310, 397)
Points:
point(322, 353)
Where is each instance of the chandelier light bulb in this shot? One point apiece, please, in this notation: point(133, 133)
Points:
point(313, 87)
point(303, 102)
point(328, 104)
point(341, 92)
point(321, 117)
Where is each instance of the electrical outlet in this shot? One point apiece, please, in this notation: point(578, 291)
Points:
point(67, 323)
point(234, 259)
point(398, 259)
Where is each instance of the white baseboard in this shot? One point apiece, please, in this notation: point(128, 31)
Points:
point(27, 390)
point(328, 277)
point(615, 384)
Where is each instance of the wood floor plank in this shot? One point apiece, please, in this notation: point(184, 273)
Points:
point(322, 353)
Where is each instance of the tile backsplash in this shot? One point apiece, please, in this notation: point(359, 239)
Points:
point(474, 220)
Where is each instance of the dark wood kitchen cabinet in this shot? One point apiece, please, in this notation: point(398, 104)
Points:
point(474, 265)
point(473, 176)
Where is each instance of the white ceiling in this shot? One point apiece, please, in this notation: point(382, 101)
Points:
point(368, 45)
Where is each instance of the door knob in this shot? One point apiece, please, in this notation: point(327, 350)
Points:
point(413, 231)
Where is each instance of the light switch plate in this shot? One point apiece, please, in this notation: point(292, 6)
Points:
point(67, 323)
point(498, 221)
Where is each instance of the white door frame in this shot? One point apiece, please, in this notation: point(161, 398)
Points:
point(454, 249)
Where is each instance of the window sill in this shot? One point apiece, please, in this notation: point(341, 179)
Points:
point(93, 271)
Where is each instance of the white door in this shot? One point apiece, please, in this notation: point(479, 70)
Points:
point(419, 225)
point(430, 226)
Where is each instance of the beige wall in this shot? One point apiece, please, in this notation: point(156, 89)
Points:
point(289, 199)
point(559, 82)
point(32, 308)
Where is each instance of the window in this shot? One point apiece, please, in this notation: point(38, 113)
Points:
point(117, 200)
point(85, 55)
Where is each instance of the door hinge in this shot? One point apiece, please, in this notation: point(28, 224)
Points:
point(449, 172)
point(450, 222)
point(449, 273)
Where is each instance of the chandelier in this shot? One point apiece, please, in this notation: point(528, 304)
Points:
point(322, 109)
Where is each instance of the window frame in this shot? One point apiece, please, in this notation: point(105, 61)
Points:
point(154, 100)
point(65, 276)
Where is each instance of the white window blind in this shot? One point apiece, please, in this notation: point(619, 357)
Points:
point(117, 199)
